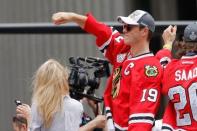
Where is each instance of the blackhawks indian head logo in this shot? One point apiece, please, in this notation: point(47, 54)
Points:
point(151, 71)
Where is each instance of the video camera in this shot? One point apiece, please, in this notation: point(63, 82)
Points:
point(80, 77)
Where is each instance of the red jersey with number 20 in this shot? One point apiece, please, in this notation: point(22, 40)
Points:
point(180, 85)
point(133, 90)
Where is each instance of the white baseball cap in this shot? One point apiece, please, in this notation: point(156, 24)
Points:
point(138, 17)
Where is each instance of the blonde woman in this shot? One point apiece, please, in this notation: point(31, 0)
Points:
point(52, 108)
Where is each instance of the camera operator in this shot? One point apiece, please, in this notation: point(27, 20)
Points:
point(84, 79)
point(52, 107)
point(24, 111)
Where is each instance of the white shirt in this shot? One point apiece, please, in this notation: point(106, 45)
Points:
point(67, 120)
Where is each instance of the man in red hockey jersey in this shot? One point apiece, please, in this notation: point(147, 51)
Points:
point(180, 85)
point(132, 94)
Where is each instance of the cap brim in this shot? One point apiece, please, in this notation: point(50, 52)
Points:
point(126, 20)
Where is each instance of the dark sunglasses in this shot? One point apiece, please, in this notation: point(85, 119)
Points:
point(128, 27)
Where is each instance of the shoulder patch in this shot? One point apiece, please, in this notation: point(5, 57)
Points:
point(151, 71)
point(120, 57)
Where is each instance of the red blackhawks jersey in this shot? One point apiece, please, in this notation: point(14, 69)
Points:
point(180, 85)
point(133, 90)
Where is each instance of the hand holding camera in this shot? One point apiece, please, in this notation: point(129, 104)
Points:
point(23, 110)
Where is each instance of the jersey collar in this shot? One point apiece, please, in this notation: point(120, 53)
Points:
point(140, 56)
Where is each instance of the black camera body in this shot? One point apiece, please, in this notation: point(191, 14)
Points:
point(80, 76)
point(17, 102)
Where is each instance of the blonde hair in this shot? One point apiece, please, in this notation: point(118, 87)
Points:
point(49, 85)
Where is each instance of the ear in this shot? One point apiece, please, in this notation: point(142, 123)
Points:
point(145, 31)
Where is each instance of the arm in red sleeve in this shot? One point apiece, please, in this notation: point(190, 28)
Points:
point(100, 30)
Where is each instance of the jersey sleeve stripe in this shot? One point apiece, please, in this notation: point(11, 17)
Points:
point(141, 121)
point(141, 118)
point(141, 114)
point(104, 45)
point(108, 113)
point(119, 128)
point(104, 50)
point(109, 117)
point(166, 127)
point(107, 108)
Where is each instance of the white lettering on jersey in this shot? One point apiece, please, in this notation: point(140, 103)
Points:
point(186, 117)
point(185, 75)
point(127, 69)
point(151, 96)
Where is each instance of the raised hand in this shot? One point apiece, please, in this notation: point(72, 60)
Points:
point(169, 34)
point(62, 17)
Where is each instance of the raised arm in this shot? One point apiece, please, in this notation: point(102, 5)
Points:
point(169, 36)
point(66, 17)
point(164, 55)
